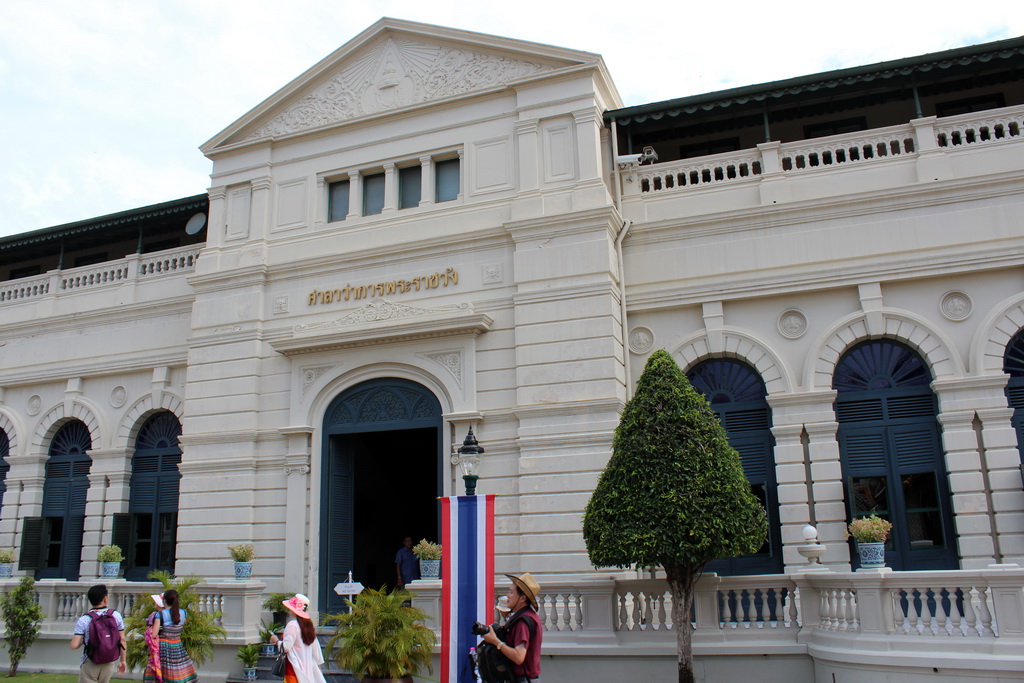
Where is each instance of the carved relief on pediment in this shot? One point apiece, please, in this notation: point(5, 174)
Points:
point(397, 72)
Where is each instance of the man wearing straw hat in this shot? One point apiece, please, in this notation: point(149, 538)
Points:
point(522, 643)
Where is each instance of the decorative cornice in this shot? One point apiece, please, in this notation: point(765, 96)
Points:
point(380, 322)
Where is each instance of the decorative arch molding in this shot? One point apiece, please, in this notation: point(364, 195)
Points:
point(330, 386)
point(742, 345)
point(994, 333)
point(54, 418)
point(140, 411)
point(12, 429)
point(901, 325)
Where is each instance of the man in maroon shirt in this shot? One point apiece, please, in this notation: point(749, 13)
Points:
point(522, 643)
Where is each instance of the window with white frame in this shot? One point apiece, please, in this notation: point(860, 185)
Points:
point(400, 187)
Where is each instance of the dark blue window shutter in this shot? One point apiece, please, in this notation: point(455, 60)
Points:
point(122, 531)
point(31, 555)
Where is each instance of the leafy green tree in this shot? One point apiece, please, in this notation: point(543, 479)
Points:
point(200, 632)
point(22, 616)
point(673, 494)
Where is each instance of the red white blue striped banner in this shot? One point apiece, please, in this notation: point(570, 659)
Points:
point(467, 575)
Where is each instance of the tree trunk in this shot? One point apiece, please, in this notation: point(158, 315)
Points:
point(680, 584)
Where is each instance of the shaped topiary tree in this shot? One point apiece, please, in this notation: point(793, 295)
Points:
point(673, 494)
point(22, 616)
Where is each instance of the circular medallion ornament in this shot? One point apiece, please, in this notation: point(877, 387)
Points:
point(118, 396)
point(956, 306)
point(641, 340)
point(34, 405)
point(792, 324)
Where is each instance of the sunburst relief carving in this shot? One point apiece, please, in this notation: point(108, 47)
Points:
point(397, 72)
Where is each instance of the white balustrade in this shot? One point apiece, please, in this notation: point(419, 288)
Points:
point(109, 274)
point(701, 172)
point(979, 128)
point(65, 601)
point(25, 288)
point(879, 145)
point(838, 150)
point(169, 262)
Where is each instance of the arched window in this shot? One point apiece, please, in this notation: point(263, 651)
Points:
point(148, 532)
point(52, 544)
point(5, 450)
point(891, 452)
point(737, 395)
point(1013, 365)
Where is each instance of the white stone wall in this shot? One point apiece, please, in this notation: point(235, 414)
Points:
point(527, 347)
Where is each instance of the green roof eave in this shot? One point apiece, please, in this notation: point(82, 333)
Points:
point(828, 79)
point(144, 213)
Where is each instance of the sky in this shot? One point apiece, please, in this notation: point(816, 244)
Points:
point(103, 104)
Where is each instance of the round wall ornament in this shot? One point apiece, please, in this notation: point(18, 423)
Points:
point(641, 340)
point(956, 306)
point(792, 324)
point(118, 396)
point(35, 403)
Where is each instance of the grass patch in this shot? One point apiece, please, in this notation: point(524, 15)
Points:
point(44, 677)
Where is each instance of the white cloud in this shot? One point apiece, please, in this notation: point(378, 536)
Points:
point(106, 102)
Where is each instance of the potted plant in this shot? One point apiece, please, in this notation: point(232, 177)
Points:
point(267, 648)
point(110, 558)
point(381, 637)
point(429, 555)
point(242, 555)
point(6, 563)
point(272, 603)
point(249, 656)
point(870, 534)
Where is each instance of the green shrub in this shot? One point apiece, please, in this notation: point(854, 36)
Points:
point(22, 616)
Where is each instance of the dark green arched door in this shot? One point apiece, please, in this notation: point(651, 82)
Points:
point(1013, 365)
point(52, 544)
point(737, 394)
point(382, 474)
point(148, 531)
point(891, 452)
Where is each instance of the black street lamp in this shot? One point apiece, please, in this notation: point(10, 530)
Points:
point(469, 460)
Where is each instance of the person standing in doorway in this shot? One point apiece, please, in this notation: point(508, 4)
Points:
point(407, 567)
point(106, 652)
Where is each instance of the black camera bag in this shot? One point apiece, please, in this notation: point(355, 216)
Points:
point(495, 667)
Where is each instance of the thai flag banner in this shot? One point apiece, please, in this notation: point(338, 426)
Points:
point(467, 575)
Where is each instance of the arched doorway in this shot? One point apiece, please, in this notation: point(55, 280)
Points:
point(738, 396)
point(52, 543)
point(148, 531)
point(381, 477)
point(1013, 365)
point(891, 452)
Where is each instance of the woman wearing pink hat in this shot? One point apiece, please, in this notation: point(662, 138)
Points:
point(304, 653)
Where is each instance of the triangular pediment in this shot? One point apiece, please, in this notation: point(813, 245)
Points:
point(391, 66)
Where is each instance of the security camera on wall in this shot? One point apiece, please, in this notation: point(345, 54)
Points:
point(624, 160)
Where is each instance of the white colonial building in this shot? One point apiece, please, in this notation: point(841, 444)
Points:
point(433, 230)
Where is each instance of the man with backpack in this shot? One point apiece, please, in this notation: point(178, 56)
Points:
point(521, 644)
point(101, 630)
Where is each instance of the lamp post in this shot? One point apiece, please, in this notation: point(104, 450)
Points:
point(469, 461)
